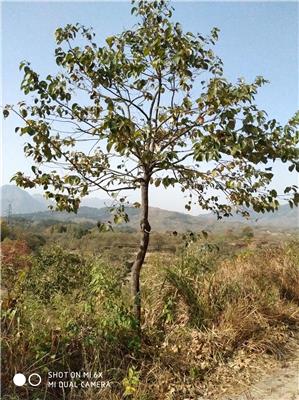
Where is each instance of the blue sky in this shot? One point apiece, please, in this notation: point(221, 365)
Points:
point(256, 38)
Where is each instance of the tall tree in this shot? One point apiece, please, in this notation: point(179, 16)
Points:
point(151, 106)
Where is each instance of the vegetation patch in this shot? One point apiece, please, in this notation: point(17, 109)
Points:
point(208, 319)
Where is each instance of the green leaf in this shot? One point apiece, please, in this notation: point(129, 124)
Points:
point(22, 65)
point(157, 182)
point(110, 40)
point(5, 113)
point(118, 219)
point(24, 113)
point(109, 146)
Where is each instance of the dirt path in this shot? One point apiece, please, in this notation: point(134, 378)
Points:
point(281, 384)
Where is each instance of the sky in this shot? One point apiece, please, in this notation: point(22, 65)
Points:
point(256, 38)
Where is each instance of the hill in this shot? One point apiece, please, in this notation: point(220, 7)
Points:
point(33, 207)
point(23, 202)
point(19, 200)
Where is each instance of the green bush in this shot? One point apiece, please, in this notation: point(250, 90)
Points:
point(68, 311)
point(55, 271)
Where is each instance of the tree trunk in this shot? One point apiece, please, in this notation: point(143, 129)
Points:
point(145, 235)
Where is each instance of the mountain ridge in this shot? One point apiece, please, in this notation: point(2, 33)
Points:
point(23, 202)
point(161, 220)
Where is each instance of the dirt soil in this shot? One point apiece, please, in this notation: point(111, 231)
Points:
point(281, 384)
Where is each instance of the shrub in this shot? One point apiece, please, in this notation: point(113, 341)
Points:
point(247, 232)
point(15, 259)
point(69, 311)
point(35, 242)
point(55, 271)
point(4, 230)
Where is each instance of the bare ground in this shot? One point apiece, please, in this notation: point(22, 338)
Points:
point(280, 384)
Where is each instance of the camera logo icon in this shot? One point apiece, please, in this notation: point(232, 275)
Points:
point(19, 379)
point(33, 379)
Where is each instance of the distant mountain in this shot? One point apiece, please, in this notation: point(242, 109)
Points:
point(161, 220)
point(24, 203)
point(165, 220)
point(35, 208)
point(19, 201)
point(42, 200)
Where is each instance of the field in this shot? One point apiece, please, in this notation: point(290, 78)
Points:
point(216, 310)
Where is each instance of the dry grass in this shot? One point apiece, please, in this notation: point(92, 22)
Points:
point(207, 322)
point(223, 315)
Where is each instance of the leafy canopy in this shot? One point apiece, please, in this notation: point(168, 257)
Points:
point(150, 106)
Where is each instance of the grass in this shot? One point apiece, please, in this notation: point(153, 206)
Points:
point(203, 314)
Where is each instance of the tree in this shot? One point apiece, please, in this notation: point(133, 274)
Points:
point(150, 107)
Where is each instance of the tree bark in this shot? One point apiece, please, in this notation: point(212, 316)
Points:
point(145, 229)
